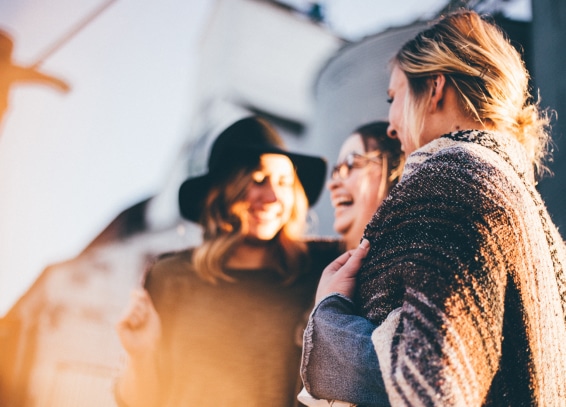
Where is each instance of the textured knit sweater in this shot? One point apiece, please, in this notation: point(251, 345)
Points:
point(465, 279)
point(232, 343)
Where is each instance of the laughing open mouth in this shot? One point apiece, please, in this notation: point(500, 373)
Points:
point(342, 201)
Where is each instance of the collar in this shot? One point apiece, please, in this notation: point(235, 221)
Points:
point(485, 145)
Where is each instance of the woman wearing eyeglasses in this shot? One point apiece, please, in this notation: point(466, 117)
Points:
point(369, 165)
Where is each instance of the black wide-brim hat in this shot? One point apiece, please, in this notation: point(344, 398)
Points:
point(240, 146)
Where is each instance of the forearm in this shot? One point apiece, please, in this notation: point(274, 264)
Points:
point(339, 360)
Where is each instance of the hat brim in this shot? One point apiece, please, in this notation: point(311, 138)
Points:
point(192, 194)
point(311, 172)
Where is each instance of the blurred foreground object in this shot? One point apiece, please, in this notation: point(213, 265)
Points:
point(12, 74)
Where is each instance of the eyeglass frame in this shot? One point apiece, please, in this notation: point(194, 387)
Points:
point(342, 170)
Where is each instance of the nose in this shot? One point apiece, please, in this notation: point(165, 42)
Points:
point(268, 194)
point(391, 132)
point(333, 183)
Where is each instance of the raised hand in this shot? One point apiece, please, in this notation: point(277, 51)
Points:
point(340, 275)
point(139, 328)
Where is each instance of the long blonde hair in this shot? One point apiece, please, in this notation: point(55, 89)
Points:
point(223, 230)
point(487, 73)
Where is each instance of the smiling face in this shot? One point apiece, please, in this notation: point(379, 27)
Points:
point(270, 198)
point(356, 197)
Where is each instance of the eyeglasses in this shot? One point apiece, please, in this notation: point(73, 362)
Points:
point(353, 160)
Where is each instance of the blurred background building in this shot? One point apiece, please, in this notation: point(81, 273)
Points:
point(315, 77)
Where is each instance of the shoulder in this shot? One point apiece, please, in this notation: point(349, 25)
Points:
point(489, 157)
point(451, 187)
point(169, 280)
point(443, 158)
point(455, 192)
point(168, 266)
point(322, 250)
point(172, 260)
point(448, 183)
point(448, 170)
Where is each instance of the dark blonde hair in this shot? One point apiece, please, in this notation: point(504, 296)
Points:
point(223, 230)
point(486, 71)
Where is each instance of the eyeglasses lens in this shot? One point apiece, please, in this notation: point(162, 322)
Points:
point(342, 170)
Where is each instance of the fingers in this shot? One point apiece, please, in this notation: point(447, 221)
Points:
point(137, 311)
point(351, 260)
point(339, 262)
point(139, 329)
point(354, 262)
point(340, 275)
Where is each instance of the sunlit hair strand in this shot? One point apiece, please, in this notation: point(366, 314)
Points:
point(487, 73)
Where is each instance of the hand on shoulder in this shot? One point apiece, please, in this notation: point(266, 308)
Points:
point(340, 275)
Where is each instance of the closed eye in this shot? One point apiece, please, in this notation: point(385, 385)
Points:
point(259, 178)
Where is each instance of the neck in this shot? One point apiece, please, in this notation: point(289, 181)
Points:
point(352, 240)
point(450, 117)
point(248, 256)
point(467, 125)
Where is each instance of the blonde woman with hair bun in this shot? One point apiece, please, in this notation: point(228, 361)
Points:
point(457, 294)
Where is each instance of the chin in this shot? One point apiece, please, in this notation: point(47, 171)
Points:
point(259, 241)
point(341, 228)
point(265, 235)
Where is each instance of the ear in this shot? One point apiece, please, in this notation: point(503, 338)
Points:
point(437, 91)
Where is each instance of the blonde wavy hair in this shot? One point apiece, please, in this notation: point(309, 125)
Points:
point(223, 231)
point(486, 71)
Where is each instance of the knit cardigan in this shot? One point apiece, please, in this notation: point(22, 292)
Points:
point(465, 280)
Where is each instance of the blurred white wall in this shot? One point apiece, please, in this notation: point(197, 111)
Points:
point(70, 162)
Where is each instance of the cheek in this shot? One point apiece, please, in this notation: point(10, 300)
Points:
point(353, 183)
point(252, 195)
point(395, 113)
point(287, 199)
point(369, 193)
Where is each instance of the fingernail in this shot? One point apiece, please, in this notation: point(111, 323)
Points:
point(364, 244)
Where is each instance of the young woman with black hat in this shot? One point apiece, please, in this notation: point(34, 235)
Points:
point(221, 324)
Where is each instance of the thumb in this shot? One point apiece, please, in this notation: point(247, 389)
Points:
point(362, 250)
point(354, 263)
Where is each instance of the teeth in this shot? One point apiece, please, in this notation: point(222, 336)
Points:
point(266, 216)
point(342, 200)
